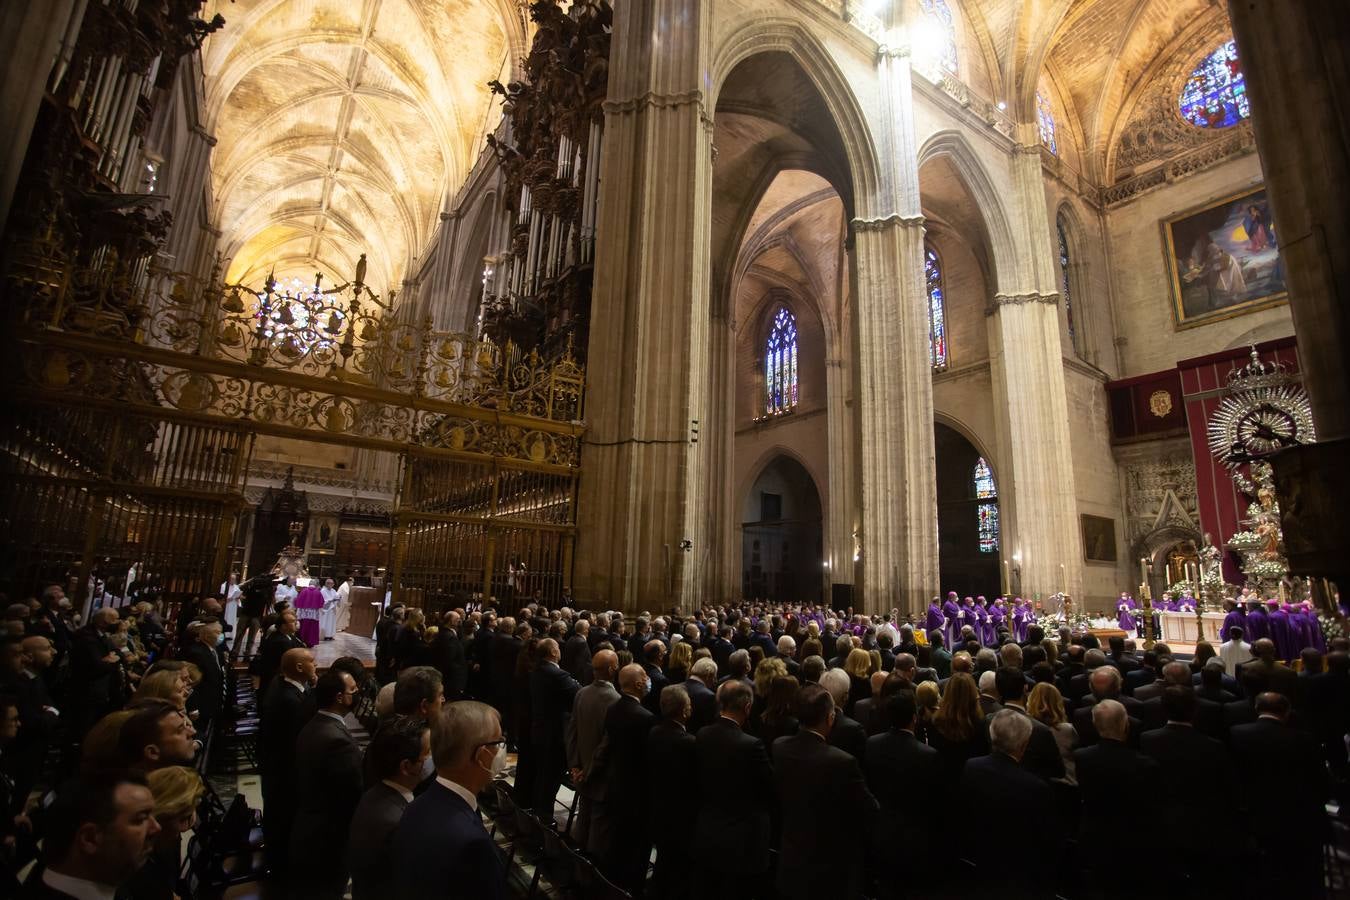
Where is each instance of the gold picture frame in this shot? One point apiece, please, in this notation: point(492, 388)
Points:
point(1223, 259)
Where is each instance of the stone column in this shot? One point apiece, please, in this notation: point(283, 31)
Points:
point(899, 490)
point(1296, 67)
point(842, 513)
point(1037, 504)
point(721, 564)
point(641, 476)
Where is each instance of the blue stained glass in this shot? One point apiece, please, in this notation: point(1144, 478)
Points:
point(780, 363)
point(1045, 123)
point(983, 480)
point(940, 13)
point(937, 309)
point(988, 524)
point(1064, 279)
point(1215, 94)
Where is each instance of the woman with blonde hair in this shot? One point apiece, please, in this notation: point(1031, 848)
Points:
point(1047, 705)
point(677, 665)
point(858, 666)
point(164, 684)
point(177, 791)
point(764, 676)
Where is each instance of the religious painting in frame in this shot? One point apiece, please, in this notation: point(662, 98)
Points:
point(1099, 538)
point(1223, 259)
point(323, 533)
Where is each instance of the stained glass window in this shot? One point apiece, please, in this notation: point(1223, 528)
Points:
point(982, 481)
point(1045, 122)
point(941, 14)
point(780, 363)
point(1065, 288)
point(1215, 94)
point(937, 309)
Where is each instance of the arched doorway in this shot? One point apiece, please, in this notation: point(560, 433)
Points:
point(969, 534)
point(781, 553)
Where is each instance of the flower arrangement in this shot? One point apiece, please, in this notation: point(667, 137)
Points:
point(1332, 627)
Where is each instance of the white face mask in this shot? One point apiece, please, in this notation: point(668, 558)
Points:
point(428, 768)
point(498, 764)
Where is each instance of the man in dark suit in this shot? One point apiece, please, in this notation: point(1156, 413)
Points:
point(721, 649)
point(504, 651)
point(903, 774)
point(1105, 684)
point(621, 762)
point(1109, 771)
point(576, 653)
point(95, 672)
point(761, 638)
point(700, 685)
point(847, 733)
point(1181, 750)
point(653, 658)
point(1147, 673)
point(869, 711)
point(441, 848)
point(1277, 676)
point(208, 697)
point(396, 757)
point(328, 789)
point(551, 694)
point(1042, 754)
point(1000, 779)
point(731, 837)
point(285, 710)
point(670, 751)
point(278, 642)
point(1173, 673)
point(821, 855)
point(1286, 808)
point(1119, 657)
point(98, 832)
point(451, 659)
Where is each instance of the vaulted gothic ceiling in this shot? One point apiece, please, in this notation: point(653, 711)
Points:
point(1103, 56)
point(342, 124)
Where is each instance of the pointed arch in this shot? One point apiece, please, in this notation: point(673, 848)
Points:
point(954, 146)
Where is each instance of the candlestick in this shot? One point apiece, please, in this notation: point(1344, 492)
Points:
point(1143, 570)
point(1063, 582)
point(1007, 578)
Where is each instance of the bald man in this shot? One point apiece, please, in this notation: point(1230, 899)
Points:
point(286, 707)
point(621, 767)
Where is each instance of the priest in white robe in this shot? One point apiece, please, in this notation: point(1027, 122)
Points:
point(344, 605)
point(328, 615)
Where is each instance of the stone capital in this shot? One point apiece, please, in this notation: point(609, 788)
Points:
point(881, 224)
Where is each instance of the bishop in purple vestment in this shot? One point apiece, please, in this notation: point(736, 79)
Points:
point(1258, 623)
point(997, 616)
point(935, 619)
point(951, 609)
point(1236, 618)
point(1124, 616)
point(307, 605)
point(1287, 644)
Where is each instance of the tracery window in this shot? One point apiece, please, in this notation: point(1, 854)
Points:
point(1065, 280)
point(1215, 94)
point(1045, 123)
point(941, 15)
point(982, 481)
point(780, 363)
point(937, 309)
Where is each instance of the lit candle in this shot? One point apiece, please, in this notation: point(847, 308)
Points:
point(1007, 578)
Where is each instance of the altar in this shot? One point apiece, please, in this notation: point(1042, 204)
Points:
point(1179, 627)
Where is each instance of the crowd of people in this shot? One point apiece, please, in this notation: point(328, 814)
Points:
point(742, 750)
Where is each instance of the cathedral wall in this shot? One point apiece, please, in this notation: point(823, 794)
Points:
point(967, 298)
point(1145, 326)
point(1096, 482)
point(1090, 278)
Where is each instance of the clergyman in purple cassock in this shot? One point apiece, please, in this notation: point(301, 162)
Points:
point(1236, 618)
point(1286, 645)
point(997, 615)
point(1258, 624)
point(934, 620)
point(1124, 616)
point(1020, 618)
point(952, 610)
point(307, 605)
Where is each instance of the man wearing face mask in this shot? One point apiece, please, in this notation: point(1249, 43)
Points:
point(328, 789)
point(95, 670)
point(396, 757)
point(441, 848)
point(209, 695)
